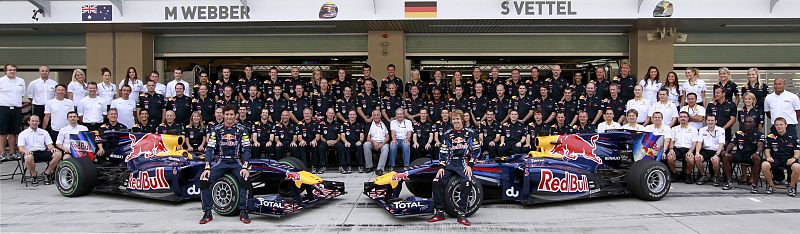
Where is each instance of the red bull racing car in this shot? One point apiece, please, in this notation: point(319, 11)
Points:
point(564, 167)
point(155, 166)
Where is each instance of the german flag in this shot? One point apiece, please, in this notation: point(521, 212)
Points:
point(420, 9)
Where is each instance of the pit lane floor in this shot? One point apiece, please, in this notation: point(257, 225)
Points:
point(687, 209)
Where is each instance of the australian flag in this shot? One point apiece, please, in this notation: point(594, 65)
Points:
point(96, 12)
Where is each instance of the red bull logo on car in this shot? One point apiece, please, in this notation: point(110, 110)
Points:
point(149, 145)
point(143, 180)
point(571, 183)
point(400, 176)
point(573, 146)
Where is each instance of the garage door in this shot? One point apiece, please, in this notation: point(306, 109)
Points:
point(260, 45)
point(561, 44)
point(57, 51)
point(739, 50)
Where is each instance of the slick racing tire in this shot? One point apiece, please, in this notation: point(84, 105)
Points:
point(420, 188)
point(451, 196)
point(75, 177)
point(225, 195)
point(648, 180)
point(293, 162)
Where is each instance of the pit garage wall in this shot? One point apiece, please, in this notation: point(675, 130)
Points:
point(713, 50)
point(58, 51)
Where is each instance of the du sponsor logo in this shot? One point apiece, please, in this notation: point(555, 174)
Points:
point(193, 190)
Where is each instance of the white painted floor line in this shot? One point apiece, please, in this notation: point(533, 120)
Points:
point(754, 200)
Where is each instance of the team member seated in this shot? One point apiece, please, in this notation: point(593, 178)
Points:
point(609, 123)
point(62, 141)
point(749, 143)
point(712, 142)
point(782, 151)
point(307, 138)
point(490, 134)
point(352, 137)
point(583, 126)
point(684, 141)
point(377, 136)
point(37, 146)
point(423, 136)
point(402, 130)
point(329, 138)
point(631, 124)
point(457, 156)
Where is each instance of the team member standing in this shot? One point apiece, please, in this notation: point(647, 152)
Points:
point(523, 103)
point(560, 127)
point(391, 78)
point(414, 104)
point(92, 108)
point(345, 104)
point(651, 84)
point(782, 104)
point(230, 155)
point(697, 113)
point(269, 84)
point(180, 104)
point(730, 88)
point(228, 98)
point(557, 83)
point(614, 102)
point(604, 86)
point(132, 80)
point(591, 103)
point(56, 109)
point(749, 143)
point(249, 80)
point(665, 107)
point(299, 103)
point(755, 86)
point(228, 81)
point(709, 149)
point(415, 82)
point(392, 101)
point(125, 106)
point(37, 146)
point(694, 85)
point(77, 88)
point(205, 103)
point(501, 103)
point(323, 100)
point(159, 87)
point(40, 91)
point(750, 109)
point(178, 79)
point(640, 104)
point(275, 104)
point(370, 101)
point(459, 149)
point(724, 110)
point(480, 102)
point(12, 88)
point(106, 89)
point(684, 141)
point(626, 81)
point(437, 84)
point(673, 89)
point(152, 102)
point(783, 151)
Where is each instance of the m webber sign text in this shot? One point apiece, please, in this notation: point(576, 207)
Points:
point(207, 13)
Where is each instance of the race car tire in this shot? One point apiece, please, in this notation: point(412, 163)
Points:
point(75, 177)
point(451, 194)
point(420, 188)
point(293, 162)
point(648, 180)
point(225, 195)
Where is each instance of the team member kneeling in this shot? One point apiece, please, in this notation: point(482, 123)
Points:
point(460, 146)
point(37, 146)
point(782, 152)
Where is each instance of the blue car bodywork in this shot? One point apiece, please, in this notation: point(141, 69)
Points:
point(565, 167)
point(145, 165)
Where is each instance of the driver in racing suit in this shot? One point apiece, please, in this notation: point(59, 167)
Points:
point(229, 147)
point(459, 148)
